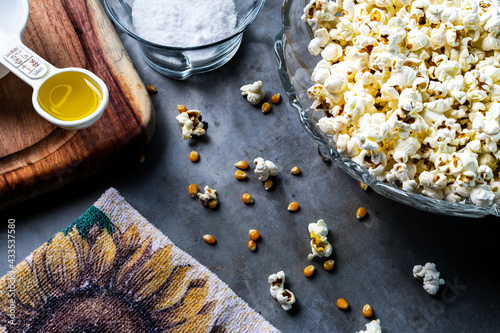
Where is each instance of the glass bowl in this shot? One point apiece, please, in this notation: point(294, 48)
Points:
point(295, 67)
point(181, 62)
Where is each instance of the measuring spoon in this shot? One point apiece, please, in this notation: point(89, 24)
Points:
point(72, 98)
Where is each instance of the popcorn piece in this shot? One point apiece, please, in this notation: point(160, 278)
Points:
point(277, 282)
point(208, 196)
point(191, 124)
point(372, 327)
point(265, 168)
point(286, 299)
point(320, 247)
point(253, 92)
point(429, 276)
point(284, 296)
point(408, 93)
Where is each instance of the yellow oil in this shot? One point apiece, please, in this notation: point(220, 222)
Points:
point(69, 96)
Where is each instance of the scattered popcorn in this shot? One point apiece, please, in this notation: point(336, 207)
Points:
point(284, 296)
point(253, 92)
point(429, 276)
point(372, 327)
point(208, 196)
point(320, 247)
point(410, 90)
point(191, 124)
point(265, 168)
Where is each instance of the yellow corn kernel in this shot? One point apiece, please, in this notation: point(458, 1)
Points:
point(251, 245)
point(276, 98)
point(268, 184)
point(240, 175)
point(254, 234)
point(328, 265)
point(213, 203)
point(209, 239)
point(309, 270)
point(295, 170)
point(181, 108)
point(194, 156)
point(266, 107)
point(360, 213)
point(247, 198)
point(193, 190)
point(141, 158)
point(367, 311)
point(151, 89)
point(363, 186)
point(241, 165)
point(342, 304)
point(293, 206)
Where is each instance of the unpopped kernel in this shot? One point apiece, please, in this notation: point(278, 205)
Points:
point(410, 90)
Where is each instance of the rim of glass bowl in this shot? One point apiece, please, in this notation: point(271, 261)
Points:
point(248, 19)
point(388, 190)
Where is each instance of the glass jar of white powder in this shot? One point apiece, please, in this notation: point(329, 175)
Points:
point(179, 38)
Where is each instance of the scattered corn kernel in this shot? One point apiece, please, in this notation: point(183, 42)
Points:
point(293, 206)
point(276, 98)
point(141, 158)
point(328, 265)
point(251, 245)
point(181, 108)
point(363, 186)
point(193, 190)
point(151, 89)
point(241, 165)
point(240, 175)
point(254, 234)
point(209, 239)
point(342, 304)
point(268, 184)
point(213, 203)
point(309, 270)
point(360, 213)
point(295, 170)
point(247, 198)
point(266, 107)
point(194, 156)
point(367, 311)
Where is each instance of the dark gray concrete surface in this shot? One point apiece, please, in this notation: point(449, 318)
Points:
point(374, 258)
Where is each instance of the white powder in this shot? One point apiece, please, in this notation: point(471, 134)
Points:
point(184, 23)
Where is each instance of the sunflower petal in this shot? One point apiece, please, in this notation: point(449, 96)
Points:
point(82, 249)
point(129, 242)
point(102, 257)
point(199, 323)
point(21, 312)
point(151, 276)
point(176, 288)
point(27, 289)
point(42, 275)
point(62, 262)
point(126, 270)
point(191, 305)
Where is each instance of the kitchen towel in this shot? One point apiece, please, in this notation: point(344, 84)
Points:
point(113, 271)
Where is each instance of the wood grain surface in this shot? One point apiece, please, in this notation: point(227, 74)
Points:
point(37, 156)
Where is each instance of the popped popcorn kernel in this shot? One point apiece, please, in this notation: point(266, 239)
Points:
point(410, 90)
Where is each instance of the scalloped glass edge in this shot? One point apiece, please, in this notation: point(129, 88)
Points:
point(387, 190)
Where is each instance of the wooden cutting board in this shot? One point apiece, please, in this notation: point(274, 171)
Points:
point(36, 156)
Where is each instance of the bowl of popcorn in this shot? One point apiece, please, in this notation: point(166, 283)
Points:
point(179, 38)
point(402, 95)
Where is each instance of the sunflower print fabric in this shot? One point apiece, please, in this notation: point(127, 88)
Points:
point(112, 271)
